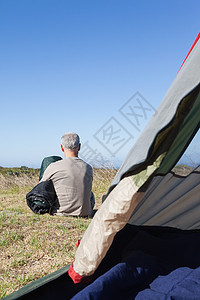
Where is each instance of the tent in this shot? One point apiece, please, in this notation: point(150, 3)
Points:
point(148, 224)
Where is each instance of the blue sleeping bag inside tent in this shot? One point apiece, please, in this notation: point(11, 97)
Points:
point(160, 263)
point(123, 281)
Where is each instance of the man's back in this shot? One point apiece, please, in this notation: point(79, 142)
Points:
point(72, 179)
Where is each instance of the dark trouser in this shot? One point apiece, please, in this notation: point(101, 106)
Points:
point(50, 159)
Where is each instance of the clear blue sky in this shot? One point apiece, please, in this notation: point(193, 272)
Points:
point(72, 65)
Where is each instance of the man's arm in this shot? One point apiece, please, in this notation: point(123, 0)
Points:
point(47, 173)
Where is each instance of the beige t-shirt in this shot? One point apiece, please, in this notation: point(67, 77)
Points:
point(72, 180)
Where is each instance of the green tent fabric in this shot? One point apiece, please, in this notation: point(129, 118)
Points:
point(28, 289)
point(157, 150)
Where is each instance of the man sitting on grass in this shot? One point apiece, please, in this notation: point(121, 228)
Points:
point(71, 177)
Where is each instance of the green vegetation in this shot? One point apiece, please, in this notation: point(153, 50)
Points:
point(31, 245)
point(19, 171)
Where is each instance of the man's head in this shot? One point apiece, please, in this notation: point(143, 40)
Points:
point(70, 144)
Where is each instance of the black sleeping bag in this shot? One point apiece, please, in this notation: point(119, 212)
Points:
point(42, 198)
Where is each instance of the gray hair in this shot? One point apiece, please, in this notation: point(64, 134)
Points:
point(70, 141)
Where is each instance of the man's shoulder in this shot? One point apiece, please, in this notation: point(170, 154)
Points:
point(56, 163)
point(54, 166)
point(88, 165)
point(51, 169)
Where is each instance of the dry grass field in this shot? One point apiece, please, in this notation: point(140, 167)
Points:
point(31, 245)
